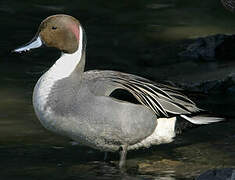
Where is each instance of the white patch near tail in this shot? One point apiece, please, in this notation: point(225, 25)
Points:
point(164, 133)
point(202, 119)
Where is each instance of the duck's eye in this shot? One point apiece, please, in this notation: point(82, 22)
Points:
point(53, 27)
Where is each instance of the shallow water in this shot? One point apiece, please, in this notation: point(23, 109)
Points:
point(141, 37)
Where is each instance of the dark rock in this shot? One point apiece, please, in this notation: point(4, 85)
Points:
point(231, 89)
point(218, 174)
point(225, 50)
point(211, 48)
point(213, 86)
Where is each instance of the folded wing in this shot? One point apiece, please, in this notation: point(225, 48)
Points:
point(164, 100)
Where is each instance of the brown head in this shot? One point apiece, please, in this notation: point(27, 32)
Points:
point(59, 31)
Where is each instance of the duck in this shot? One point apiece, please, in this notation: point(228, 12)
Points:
point(78, 104)
point(228, 4)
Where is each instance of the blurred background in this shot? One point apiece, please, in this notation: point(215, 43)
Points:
point(144, 37)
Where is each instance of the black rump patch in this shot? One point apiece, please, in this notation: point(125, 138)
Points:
point(183, 125)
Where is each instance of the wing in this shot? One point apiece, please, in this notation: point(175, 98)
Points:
point(164, 100)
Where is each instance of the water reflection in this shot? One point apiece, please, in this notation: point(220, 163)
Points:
point(141, 37)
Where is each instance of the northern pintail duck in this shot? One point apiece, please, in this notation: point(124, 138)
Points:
point(229, 4)
point(77, 104)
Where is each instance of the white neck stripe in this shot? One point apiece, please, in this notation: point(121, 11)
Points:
point(66, 64)
point(63, 68)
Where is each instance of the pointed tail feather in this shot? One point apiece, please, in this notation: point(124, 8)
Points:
point(202, 119)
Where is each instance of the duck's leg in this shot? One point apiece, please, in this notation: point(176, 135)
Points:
point(123, 152)
point(105, 156)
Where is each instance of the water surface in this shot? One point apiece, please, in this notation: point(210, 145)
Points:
point(140, 37)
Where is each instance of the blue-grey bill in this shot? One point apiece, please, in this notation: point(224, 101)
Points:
point(35, 43)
